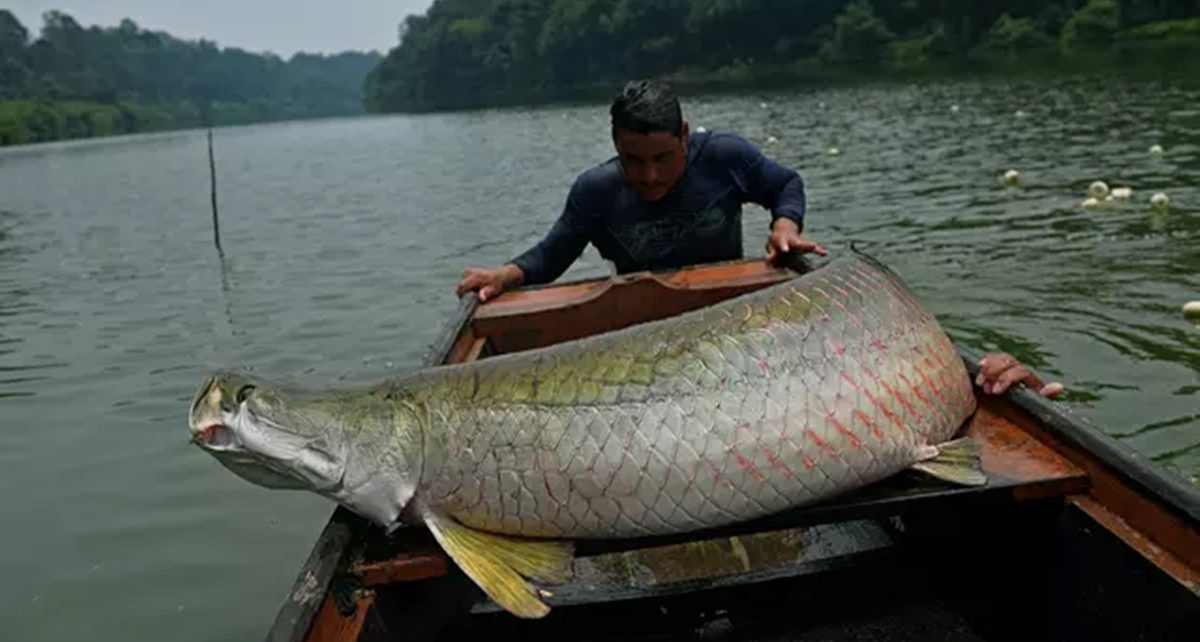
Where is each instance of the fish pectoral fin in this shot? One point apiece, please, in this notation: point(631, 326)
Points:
point(499, 564)
point(955, 461)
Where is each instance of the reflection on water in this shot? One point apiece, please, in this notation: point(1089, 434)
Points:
point(343, 240)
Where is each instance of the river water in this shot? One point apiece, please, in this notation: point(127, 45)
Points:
point(343, 240)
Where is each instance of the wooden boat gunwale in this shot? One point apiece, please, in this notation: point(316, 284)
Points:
point(1134, 468)
point(1160, 500)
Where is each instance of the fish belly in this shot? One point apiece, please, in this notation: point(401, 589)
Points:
point(769, 401)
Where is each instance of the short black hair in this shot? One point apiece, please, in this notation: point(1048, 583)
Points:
point(645, 106)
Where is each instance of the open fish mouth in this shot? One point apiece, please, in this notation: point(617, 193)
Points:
point(217, 437)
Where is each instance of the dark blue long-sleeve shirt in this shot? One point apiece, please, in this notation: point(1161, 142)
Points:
point(698, 221)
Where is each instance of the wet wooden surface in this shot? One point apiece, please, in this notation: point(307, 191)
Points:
point(525, 319)
point(714, 563)
point(331, 626)
point(1160, 557)
point(404, 568)
point(1157, 523)
point(1012, 457)
point(524, 302)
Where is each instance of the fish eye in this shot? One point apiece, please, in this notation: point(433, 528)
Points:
point(244, 392)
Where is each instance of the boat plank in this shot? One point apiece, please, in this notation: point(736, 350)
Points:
point(1009, 451)
point(714, 563)
point(529, 300)
point(523, 302)
point(454, 339)
point(462, 348)
point(1108, 488)
point(532, 318)
point(303, 602)
point(406, 567)
point(331, 625)
point(1171, 564)
point(476, 349)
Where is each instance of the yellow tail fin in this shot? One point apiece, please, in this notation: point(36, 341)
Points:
point(497, 563)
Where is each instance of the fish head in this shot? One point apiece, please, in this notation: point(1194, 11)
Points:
point(266, 436)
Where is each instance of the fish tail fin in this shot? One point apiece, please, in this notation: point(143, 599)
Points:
point(499, 564)
point(955, 461)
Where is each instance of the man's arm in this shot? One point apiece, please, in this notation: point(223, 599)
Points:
point(775, 187)
point(566, 240)
point(541, 263)
point(765, 182)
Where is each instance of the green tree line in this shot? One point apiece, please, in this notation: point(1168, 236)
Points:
point(465, 53)
point(71, 81)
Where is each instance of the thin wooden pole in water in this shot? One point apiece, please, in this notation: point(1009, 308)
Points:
point(212, 172)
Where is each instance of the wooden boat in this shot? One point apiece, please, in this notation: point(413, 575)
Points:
point(1076, 537)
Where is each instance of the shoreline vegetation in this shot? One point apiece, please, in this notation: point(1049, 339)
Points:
point(74, 82)
point(467, 54)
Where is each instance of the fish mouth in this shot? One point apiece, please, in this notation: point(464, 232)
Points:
point(217, 437)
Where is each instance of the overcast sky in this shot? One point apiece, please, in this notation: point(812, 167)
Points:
point(282, 26)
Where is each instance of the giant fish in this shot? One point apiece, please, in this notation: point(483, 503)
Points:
point(768, 401)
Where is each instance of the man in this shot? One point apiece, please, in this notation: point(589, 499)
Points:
point(671, 198)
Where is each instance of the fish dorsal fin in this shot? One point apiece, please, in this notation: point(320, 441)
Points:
point(955, 461)
point(499, 564)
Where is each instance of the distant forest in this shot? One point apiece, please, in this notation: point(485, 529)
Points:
point(74, 82)
point(466, 53)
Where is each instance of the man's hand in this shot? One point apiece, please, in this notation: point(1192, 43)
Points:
point(999, 371)
point(785, 239)
point(489, 283)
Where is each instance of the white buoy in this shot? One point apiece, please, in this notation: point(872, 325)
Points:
point(762, 105)
point(1091, 203)
point(1012, 177)
point(1122, 193)
point(1157, 150)
point(701, 129)
point(1191, 310)
point(1160, 201)
point(833, 151)
point(954, 108)
point(771, 140)
point(1020, 114)
point(1098, 190)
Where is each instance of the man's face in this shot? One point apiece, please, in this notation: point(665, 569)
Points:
point(652, 162)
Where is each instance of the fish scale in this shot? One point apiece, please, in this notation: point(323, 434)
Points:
point(775, 399)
